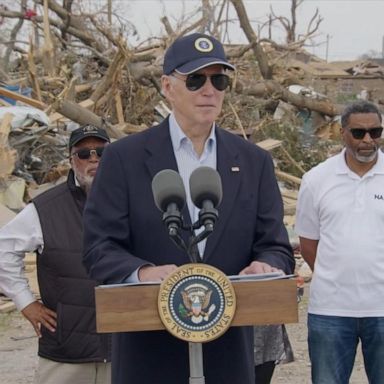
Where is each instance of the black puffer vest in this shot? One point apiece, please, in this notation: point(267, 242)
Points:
point(64, 284)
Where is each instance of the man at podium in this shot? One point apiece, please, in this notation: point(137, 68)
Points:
point(126, 240)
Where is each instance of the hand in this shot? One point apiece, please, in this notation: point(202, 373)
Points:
point(150, 273)
point(259, 267)
point(38, 315)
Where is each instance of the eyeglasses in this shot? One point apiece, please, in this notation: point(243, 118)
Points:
point(359, 133)
point(86, 153)
point(195, 81)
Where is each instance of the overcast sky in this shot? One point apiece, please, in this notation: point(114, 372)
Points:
point(355, 27)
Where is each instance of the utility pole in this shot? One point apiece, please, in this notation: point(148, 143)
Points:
point(327, 48)
point(382, 48)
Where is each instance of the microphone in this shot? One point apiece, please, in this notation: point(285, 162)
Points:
point(169, 195)
point(206, 193)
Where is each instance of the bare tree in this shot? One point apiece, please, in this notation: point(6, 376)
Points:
point(13, 35)
point(290, 24)
point(371, 54)
point(261, 56)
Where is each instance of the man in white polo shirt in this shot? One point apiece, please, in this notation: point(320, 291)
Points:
point(340, 222)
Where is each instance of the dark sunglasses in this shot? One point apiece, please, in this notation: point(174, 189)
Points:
point(86, 153)
point(359, 133)
point(195, 81)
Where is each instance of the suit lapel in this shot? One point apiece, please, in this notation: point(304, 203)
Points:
point(228, 165)
point(159, 149)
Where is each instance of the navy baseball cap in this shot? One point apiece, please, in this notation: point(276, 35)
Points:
point(190, 53)
point(87, 131)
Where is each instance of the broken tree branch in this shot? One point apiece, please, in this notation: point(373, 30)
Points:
point(261, 57)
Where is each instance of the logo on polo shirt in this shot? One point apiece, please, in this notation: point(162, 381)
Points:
point(202, 44)
point(379, 197)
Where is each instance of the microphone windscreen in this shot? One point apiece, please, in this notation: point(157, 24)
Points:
point(205, 184)
point(167, 188)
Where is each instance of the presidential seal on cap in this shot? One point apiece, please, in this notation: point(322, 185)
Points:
point(203, 44)
point(197, 303)
point(190, 53)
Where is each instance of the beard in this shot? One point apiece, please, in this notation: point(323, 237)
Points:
point(85, 181)
point(368, 158)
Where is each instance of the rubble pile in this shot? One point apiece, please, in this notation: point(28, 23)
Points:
point(37, 128)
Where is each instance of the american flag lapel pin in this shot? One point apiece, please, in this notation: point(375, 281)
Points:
point(235, 169)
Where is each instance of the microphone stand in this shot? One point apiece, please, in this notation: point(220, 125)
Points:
point(196, 368)
point(173, 220)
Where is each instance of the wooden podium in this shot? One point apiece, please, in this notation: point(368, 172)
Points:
point(134, 308)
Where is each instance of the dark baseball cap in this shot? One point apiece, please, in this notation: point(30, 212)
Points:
point(190, 53)
point(87, 131)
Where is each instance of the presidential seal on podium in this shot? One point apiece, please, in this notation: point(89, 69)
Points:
point(197, 303)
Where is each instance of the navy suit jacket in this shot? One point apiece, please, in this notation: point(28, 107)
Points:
point(123, 230)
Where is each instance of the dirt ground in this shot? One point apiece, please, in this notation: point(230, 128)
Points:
point(18, 349)
point(18, 352)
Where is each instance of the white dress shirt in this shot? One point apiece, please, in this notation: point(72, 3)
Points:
point(22, 234)
point(188, 160)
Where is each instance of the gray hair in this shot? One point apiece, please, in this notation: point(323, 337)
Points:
point(361, 106)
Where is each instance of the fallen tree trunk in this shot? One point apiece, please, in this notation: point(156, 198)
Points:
point(84, 116)
point(271, 88)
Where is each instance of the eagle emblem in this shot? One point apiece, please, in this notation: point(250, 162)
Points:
point(202, 44)
point(196, 300)
point(196, 303)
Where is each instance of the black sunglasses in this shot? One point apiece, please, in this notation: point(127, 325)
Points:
point(86, 153)
point(359, 133)
point(195, 81)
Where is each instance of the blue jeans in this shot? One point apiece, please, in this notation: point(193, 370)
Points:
point(332, 342)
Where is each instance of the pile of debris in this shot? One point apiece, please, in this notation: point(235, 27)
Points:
point(86, 72)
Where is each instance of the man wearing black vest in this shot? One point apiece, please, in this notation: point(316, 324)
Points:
point(70, 350)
